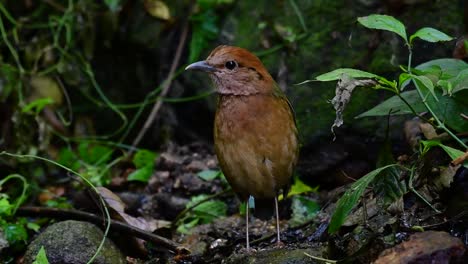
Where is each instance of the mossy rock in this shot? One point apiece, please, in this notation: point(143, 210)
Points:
point(73, 242)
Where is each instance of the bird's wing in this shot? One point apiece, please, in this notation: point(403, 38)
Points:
point(280, 94)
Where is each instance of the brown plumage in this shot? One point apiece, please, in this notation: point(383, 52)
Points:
point(255, 134)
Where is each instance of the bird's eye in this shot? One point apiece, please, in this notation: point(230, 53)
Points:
point(230, 65)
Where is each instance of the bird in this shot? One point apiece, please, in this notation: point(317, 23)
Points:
point(255, 133)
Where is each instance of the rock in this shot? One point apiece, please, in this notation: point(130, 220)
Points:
point(196, 166)
point(426, 247)
point(73, 242)
point(168, 161)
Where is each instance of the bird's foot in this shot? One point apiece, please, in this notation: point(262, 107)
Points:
point(246, 251)
point(279, 244)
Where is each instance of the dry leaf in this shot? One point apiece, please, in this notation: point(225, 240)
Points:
point(158, 9)
point(343, 91)
point(460, 160)
point(428, 130)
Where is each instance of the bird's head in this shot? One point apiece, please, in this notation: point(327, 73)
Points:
point(235, 71)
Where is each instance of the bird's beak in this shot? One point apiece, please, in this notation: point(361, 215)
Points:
point(201, 66)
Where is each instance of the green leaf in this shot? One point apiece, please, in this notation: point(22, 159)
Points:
point(351, 197)
point(387, 184)
point(450, 67)
point(41, 257)
point(209, 175)
point(426, 145)
point(384, 22)
point(6, 208)
point(186, 227)
point(68, 158)
point(15, 233)
point(402, 79)
point(209, 210)
point(94, 154)
point(431, 35)
point(452, 152)
point(426, 82)
point(448, 108)
point(144, 158)
point(37, 105)
point(33, 226)
point(141, 174)
point(396, 106)
point(458, 83)
point(299, 187)
point(337, 74)
point(303, 210)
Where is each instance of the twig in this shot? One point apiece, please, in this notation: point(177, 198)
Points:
point(320, 259)
point(411, 187)
point(165, 89)
point(35, 211)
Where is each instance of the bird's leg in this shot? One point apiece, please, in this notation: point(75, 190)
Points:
point(247, 207)
point(278, 239)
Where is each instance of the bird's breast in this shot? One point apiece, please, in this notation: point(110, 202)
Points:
point(256, 143)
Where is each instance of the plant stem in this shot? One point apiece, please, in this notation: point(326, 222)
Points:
point(440, 124)
point(411, 187)
point(411, 107)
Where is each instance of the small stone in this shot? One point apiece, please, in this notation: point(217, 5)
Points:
point(212, 163)
point(167, 161)
point(196, 166)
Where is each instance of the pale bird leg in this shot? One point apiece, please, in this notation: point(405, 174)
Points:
point(247, 225)
point(278, 241)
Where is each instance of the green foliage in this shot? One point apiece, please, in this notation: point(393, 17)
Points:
point(434, 82)
point(351, 197)
point(90, 159)
point(203, 213)
point(205, 28)
point(14, 229)
point(453, 153)
point(144, 162)
point(395, 106)
point(93, 153)
point(37, 105)
point(299, 187)
point(15, 232)
point(209, 175)
point(430, 35)
point(384, 22)
point(338, 73)
point(388, 185)
point(41, 257)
